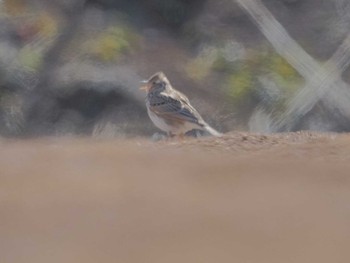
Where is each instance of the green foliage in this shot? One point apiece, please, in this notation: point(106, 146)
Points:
point(240, 84)
point(284, 74)
point(221, 64)
point(281, 67)
point(221, 58)
point(46, 25)
point(30, 58)
point(200, 67)
point(112, 43)
point(242, 81)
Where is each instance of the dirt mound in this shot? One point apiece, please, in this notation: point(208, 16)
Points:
point(313, 144)
point(239, 198)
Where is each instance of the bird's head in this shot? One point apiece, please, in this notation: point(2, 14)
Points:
point(156, 81)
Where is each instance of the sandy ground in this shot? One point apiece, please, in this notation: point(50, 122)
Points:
point(243, 198)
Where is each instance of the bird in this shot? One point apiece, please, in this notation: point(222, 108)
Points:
point(170, 110)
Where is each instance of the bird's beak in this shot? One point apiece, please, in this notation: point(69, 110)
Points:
point(144, 85)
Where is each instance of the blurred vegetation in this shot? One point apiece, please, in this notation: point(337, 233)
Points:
point(209, 49)
point(240, 84)
point(243, 79)
point(29, 58)
point(241, 73)
point(109, 45)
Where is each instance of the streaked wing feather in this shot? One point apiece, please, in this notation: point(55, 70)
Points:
point(174, 108)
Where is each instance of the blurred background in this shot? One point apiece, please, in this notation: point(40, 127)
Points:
point(72, 67)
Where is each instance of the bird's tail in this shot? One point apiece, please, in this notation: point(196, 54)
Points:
point(212, 131)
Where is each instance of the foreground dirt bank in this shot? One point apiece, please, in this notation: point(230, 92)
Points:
point(240, 198)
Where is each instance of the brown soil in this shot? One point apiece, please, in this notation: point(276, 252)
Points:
point(240, 198)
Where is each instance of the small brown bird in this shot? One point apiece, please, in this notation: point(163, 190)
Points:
point(170, 110)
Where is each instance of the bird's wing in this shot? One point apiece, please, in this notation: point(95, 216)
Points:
point(176, 106)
